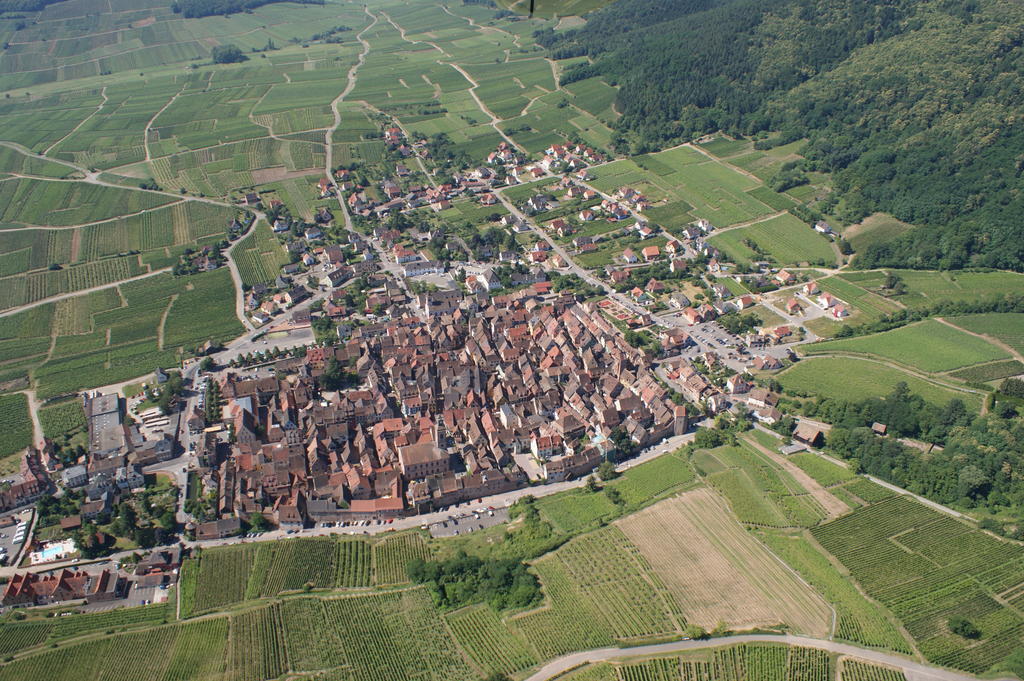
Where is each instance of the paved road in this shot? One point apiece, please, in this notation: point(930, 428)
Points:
point(497, 501)
point(915, 671)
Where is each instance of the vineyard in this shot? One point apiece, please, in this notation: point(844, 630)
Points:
point(392, 555)
point(259, 256)
point(392, 635)
point(487, 642)
point(899, 551)
point(62, 419)
point(854, 670)
point(354, 563)
point(746, 662)
point(17, 430)
point(759, 491)
point(256, 649)
point(859, 620)
point(822, 470)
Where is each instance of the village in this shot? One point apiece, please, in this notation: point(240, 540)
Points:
point(384, 382)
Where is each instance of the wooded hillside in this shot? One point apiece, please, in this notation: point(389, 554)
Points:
point(911, 105)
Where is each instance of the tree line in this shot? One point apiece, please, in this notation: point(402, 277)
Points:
point(194, 9)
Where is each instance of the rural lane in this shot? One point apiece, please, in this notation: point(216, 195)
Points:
point(915, 671)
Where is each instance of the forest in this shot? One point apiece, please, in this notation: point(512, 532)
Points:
point(910, 105)
point(194, 9)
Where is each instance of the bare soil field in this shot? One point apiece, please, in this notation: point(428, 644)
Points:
point(717, 572)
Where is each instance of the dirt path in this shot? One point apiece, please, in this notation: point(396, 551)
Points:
point(149, 123)
point(710, 157)
point(915, 671)
point(236, 277)
point(33, 410)
point(163, 321)
point(483, 107)
point(329, 135)
point(984, 336)
point(80, 292)
point(833, 506)
point(103, 94)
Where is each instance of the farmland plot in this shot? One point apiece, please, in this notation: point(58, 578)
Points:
point(716, 571)
point(392, 555)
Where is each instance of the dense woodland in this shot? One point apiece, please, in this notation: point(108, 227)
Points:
point(979, 466)
point(193, 9)
point(911, 105)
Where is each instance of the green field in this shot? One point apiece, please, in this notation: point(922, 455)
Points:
point(929, 346)
point(855, 379)
point(787, 240)
point(1007, 327)
point(924, 288)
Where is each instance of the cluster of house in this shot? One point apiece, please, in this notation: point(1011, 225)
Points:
point(811, 294)
point(447, 409)
point(558, 158)
point(398, 195)
point(159, 568)
point(111, 465)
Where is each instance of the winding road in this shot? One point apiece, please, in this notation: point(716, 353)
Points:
point(915, 671)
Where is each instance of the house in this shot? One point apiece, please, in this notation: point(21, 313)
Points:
point(809, 434)
point(489, 280)
point(419, 267)
point(737, 384)
point(325, 187)
point(822, 227)
point(693, 315)
point(587, 215)
point(403, 254)
point(75, 476)
point(793, 307)
point(488, 199)
point(422, 460)
point(810, 288)
point(651, 253)
point(679, 300)
point(879, 428)
point(840, 311)
point(218, 529)
point(313, 233)
point(762, 398)
point(743, 302)
point(440, 205)
point(252, 200)
point(767, 363)
point(826, 300)
point(768, 415)
point(629, 256)
point(785, 277)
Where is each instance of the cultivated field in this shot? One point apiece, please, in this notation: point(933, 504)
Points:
point(1007, 327)
point(786, 239)
point(857, 379)
point(929, 346)
point(716, 571)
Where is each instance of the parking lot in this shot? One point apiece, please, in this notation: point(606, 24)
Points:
point(466, 521)
point(8, 548)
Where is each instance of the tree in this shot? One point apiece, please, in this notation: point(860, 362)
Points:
point(606, 471)
point(206, 364)
point(961, 626)
point(258, 522)
point(228, 54)
point(591, 485)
